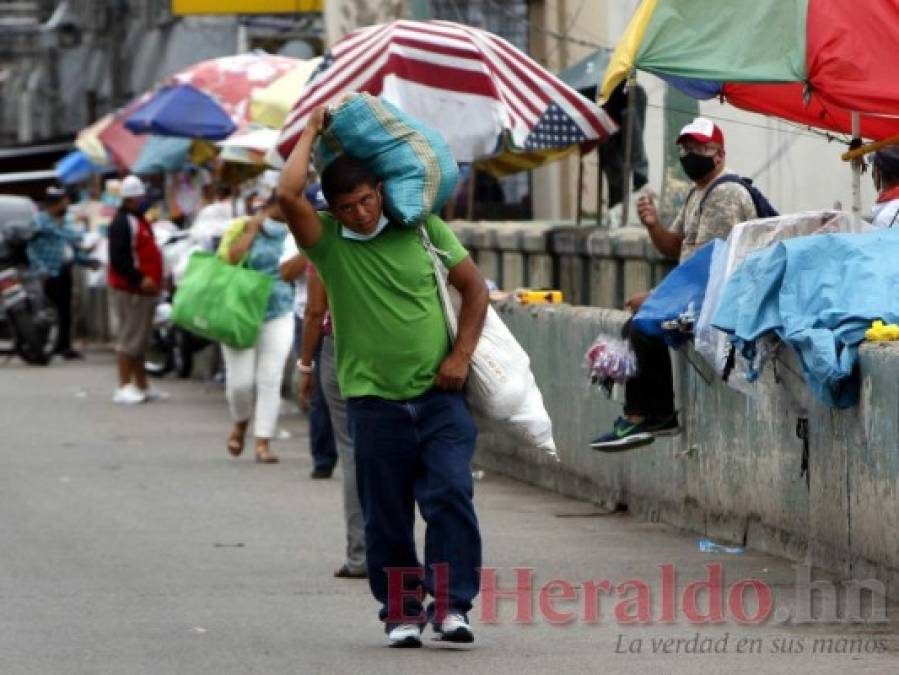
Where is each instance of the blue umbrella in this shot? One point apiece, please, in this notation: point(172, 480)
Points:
point(162, 154)
point(181, 110)
point(76, 167)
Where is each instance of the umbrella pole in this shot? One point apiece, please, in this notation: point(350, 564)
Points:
point(599, 186)
point(580, 188)
point(856, 168)
point(469, 211)
point(626, 180)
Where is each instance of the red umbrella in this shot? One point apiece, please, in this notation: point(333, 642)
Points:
point(788, 101)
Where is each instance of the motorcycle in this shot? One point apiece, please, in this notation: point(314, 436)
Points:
point(172, 348)
point(28, 322)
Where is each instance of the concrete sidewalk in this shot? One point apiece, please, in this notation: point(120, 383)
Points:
point(133, 544)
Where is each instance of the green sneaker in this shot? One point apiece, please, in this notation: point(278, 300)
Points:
point(662, 426)
point(625, 435)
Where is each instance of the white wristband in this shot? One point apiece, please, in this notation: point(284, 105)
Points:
point(303, 368)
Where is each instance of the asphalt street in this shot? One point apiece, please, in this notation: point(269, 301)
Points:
point(132, 543)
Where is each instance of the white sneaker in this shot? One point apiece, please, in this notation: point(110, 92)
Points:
point(151, 394)
point(454, 628)
point(128, 395)
point(404, 635)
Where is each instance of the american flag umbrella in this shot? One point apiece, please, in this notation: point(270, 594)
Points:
point(486, 97)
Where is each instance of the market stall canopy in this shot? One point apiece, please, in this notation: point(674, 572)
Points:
point(76, 167)
point(137, 153)
point(270, 106)
point(487, 98)
point(249, 146)
point(210, 99)
point(181, 110)
point(122, 146)
point(810, 61)
point(89, 143)
point(162, 154)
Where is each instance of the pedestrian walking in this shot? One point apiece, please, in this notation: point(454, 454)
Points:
point(253, 376)
point(413, 434)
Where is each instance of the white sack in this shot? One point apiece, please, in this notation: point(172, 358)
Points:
point(500, 386)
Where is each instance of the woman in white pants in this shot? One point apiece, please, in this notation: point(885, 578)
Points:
point(253, 376)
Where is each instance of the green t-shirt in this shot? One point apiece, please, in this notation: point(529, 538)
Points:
point(389, 330)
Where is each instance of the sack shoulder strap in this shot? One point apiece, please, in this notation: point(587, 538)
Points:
point(440, 274)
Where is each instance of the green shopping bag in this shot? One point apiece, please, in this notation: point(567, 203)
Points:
point(222, 302)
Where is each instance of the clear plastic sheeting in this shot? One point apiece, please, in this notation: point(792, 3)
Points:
point(744, 239)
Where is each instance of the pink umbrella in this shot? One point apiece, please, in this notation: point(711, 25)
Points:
point(122, 146)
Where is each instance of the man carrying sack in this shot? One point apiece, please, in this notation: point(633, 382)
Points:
point(413, 434)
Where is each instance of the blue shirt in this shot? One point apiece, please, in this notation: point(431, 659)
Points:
point(265, 256)
point(47, 247)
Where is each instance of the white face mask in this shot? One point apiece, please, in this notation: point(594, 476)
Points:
point(347, 233)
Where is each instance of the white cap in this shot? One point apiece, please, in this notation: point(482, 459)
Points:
point(132, 186)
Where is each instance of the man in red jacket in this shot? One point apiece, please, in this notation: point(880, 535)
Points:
point(135, 276)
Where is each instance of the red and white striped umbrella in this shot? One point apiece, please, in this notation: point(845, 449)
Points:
point(485, 96)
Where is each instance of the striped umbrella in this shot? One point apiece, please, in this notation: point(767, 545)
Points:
point(487, 98)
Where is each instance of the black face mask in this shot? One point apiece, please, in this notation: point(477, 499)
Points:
point(697, 166)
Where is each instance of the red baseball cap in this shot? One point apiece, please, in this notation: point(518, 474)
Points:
point(702, 130)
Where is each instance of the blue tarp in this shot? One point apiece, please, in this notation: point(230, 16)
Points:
point(181, 110)
point(818, 294)
point(683, 287)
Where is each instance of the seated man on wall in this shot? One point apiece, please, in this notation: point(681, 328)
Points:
point(717, 203)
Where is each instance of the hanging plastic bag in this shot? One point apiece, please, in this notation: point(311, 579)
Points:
point(610, 361)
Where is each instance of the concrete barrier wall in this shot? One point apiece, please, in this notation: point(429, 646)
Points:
point(735, 473)
point(590, 265)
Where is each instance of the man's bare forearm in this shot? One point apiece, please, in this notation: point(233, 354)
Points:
point(302, 219)
point(296, 170)
point(473, 313)
point(667, 242)
point(312, 335)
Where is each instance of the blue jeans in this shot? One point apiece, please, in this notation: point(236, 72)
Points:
point(321, 435)
point(411, 451)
